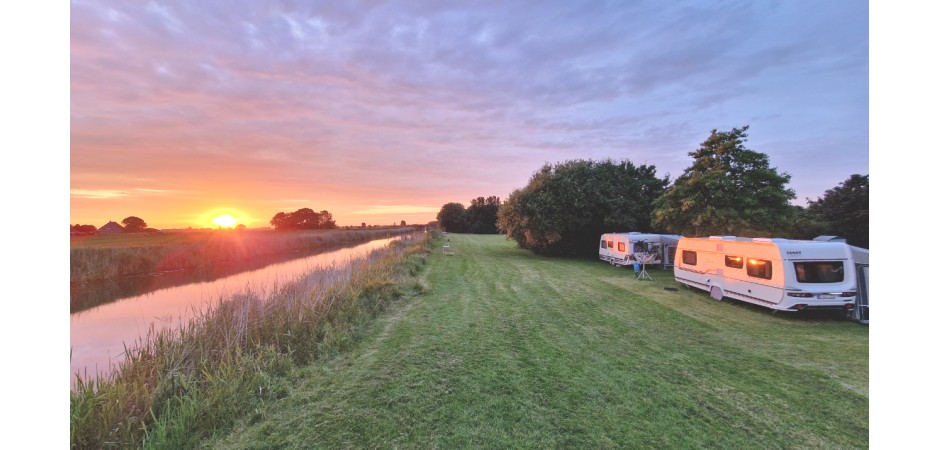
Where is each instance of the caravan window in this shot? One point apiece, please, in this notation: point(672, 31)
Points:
point(689, 257)
point(603, 244)
point(819, 272)
point(620, 247)
point(610, 244)
point(759, 268)
point(734, 261)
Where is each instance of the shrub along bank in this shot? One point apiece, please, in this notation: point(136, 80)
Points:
point(111, 256)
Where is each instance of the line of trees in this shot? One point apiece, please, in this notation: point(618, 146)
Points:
point(728, 190)
point(83, 229)
point(479, 218)
point(303, 219)
point(841, 211)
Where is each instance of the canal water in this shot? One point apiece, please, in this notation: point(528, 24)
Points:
point(99, 334)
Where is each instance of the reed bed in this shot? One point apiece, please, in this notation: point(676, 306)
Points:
point(103, 257)
point(176, 387)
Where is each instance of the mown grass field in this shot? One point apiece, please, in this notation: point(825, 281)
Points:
point(504, 349)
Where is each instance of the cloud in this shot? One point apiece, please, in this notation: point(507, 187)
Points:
point(392, 99)
point(98, 193)
point(398, 209)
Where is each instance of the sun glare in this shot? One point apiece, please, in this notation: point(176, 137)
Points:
point(225, 220)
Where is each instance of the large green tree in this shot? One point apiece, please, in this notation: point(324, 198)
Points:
point(303, 219)
point(134, 224)
point(481, 215)
point(452, 217)
point(728, 190)
point(843, 210)
point(566, 207)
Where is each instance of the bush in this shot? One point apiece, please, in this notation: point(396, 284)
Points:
point(566, 207)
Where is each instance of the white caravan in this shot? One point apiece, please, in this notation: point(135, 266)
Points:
point(624, 249)
point(780, 274)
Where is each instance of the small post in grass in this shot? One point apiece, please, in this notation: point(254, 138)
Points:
point(447, 250)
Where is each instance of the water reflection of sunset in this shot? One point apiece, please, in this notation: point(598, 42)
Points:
point(98, 335)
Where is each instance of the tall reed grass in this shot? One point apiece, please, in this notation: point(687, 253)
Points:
point(176, 387)
point(116, 256)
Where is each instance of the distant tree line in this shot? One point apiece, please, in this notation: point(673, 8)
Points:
point(130, 224)
point(303, 219)
point(83, 229)
point(479, 218)
point(841, 211)
point(728, 190)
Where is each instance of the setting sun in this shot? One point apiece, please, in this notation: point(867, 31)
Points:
point(225, 220)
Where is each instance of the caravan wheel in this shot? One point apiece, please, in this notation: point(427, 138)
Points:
point(716, 293)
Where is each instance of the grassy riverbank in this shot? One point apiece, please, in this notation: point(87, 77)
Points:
point(492, 347)
point(509, 350)
point(110, 256)
point(178, 387)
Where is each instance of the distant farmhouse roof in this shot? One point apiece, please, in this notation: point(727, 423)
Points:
point(111, 227)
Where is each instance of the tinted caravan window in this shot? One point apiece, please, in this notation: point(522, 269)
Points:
point(759, 268)
point(603, 244)
point(819, 272)
point(689, 257)
point(734, 261)
point(620, 247)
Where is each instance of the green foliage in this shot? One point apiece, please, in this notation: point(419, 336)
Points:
point(452, 218)
point(843, 210)
point(728, 190)
point(804, 226)
point(481, 216)
point(133, 224)
point(566, 207)
point(82, 230)
point(303, 219)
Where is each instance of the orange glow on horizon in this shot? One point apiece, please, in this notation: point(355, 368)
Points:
point(182, 213)
point(225, 220)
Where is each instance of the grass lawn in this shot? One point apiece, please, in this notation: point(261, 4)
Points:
point(505, 349)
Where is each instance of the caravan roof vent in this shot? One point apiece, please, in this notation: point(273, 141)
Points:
point(829, 238)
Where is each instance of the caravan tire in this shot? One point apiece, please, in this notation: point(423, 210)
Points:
point(716, 293)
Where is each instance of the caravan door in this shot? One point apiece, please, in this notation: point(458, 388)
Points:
point(860, 313)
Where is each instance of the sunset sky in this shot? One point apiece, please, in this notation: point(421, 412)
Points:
point(384, 111)
point(174, 111)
